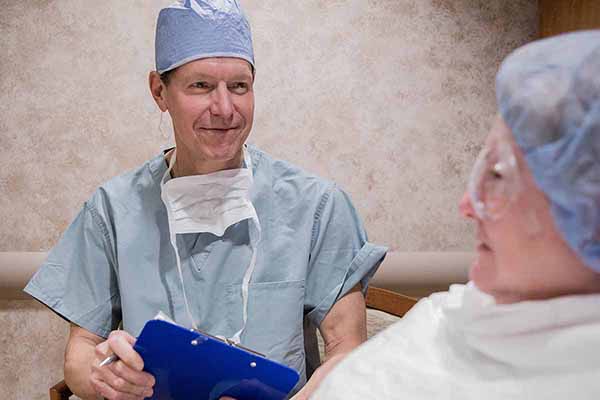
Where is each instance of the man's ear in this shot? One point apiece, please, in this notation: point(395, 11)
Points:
point(157, 89)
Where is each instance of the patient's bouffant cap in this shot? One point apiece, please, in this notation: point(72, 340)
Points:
point(548, 93)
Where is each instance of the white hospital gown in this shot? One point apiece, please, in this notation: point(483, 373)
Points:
point(461, 345)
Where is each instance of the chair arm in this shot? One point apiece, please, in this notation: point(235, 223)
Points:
point(390, 302)
point(60, 391)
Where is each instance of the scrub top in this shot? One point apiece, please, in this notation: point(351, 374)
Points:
point(115, 263)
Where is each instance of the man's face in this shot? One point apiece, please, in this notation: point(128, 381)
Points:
point(211, 103)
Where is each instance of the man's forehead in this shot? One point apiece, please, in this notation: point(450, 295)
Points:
point(217, 67)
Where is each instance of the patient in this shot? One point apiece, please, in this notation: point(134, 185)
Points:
point(528, 324)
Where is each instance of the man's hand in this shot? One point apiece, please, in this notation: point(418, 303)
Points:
point(122, 380)
point(125, 378)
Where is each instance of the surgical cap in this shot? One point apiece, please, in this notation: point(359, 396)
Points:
point(192, 29)
point(548, 93)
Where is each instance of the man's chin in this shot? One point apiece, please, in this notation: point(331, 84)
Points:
point(223, 153)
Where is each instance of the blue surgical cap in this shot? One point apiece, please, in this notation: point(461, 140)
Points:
point(548, 93)
point(192, 29)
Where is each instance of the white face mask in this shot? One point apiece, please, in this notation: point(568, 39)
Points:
point(211, 203)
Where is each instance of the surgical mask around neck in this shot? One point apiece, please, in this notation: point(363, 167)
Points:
point(211, 203)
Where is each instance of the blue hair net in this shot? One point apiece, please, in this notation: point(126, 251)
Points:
point(192, 29)
point(548, 93)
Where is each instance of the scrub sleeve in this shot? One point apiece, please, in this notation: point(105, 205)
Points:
point(340, 255)
point(78, 280)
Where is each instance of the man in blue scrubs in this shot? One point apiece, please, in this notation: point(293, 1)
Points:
point(216, 234)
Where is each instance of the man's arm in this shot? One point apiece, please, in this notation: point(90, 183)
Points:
point(80, 352)
point(343, 329)
point(123, 379)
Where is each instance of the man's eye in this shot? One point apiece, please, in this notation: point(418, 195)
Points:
point(201, 85)
point(239, 87)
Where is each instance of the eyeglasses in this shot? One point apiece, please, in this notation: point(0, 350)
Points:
point(495, 180)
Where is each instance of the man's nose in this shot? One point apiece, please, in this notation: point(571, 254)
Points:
point(466, 206)
point(222, 105)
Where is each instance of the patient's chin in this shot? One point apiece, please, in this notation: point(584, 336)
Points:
point(482, 271)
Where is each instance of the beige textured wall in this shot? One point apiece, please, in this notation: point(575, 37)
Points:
point(390, 98)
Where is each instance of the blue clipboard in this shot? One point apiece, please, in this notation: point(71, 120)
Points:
point(189, 365)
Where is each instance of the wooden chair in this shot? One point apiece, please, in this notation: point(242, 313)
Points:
point(60, 391)
point(377, 299)
point(388, 301)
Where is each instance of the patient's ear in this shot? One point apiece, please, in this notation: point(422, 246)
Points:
point(158, 90)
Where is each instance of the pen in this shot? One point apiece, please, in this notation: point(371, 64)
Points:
point(109, 360)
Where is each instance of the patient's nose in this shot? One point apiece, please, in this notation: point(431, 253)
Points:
point(466, 207)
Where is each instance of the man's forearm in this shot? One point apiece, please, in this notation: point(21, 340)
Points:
point(79, 355)
point(343, 329)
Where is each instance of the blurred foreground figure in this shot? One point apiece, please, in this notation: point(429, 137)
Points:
point(527, 326)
